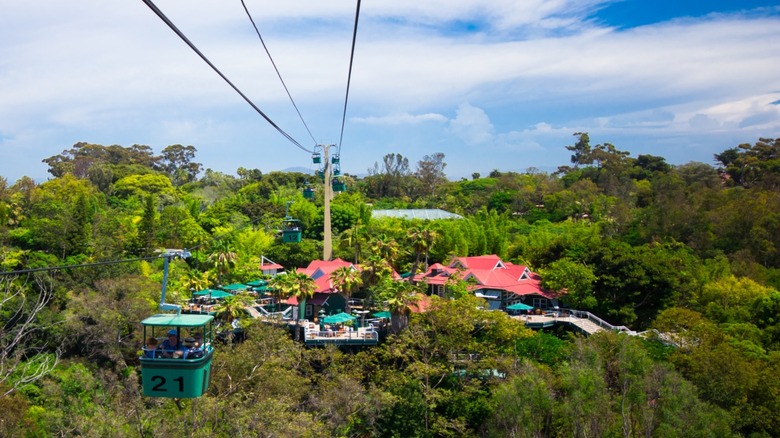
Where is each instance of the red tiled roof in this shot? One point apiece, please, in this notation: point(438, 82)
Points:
point(421, 305)
point(322, 270)
point(269, 266)
point(485, 262)
point(490, 272)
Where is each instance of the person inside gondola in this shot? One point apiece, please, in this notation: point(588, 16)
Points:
point(151, 350)
point(193, 346)
point(198, 336)
point(170, 345)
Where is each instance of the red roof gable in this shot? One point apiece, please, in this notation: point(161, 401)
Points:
point(320, 270)
point(490, 272)
point(267, 264)
point(325, 267)
point(478, 262)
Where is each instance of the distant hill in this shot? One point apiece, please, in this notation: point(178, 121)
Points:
point(300, 169)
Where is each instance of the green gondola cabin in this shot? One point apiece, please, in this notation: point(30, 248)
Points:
point(291, 230)
point(185, 370)
point(338, 185)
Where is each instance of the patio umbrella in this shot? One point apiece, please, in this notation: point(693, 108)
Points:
point(338, 318)
point(519, 306)
point(213, 293)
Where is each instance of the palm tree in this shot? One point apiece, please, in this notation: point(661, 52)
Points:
point(353, 239)
point(196, 280)
point(304, 289)
point(295, 284)
point(387, 248)
point(421, 239)
point(374, 270)
point(346, 279)
point(402, 295)
point(281, 287)
point(232, 308)
point(224, 258)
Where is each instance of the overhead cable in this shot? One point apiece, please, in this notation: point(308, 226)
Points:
point(114, 262)
point(277, 70)
point(83, 265)
point(349, 75)
point(181, 35)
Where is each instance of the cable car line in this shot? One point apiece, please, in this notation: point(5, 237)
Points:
point(277, 71)
point(83, 265)
point(181, 35)
point(114, 262)
point(349, 75)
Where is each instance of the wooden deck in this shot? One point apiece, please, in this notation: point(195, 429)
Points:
point(583, 325)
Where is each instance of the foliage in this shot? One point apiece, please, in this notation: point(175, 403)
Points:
point(143, 185)
point(691, 251)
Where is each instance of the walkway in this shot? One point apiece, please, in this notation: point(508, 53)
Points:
point(584, 326)
point(584, 322)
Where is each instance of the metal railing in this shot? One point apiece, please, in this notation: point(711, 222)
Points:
point(336, 336)
point(598, 321)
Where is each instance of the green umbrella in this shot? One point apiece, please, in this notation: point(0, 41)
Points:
point(519, 306)
point(213, 293)
point(338, 318)
point(384, 314)
point(257, 283)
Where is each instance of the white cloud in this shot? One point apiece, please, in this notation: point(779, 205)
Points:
point(702, 121)
point(400, 119)
point(472, 125)
point(105, 70)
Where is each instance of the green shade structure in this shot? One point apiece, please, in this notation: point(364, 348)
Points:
point(235, 287)
point(384, 314)
point(177, 377)
point(213, 293)
point(519, 306)
point(257, 283)
point(338, 318)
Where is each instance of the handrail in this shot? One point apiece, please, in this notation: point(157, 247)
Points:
point(336, 336)
point(598, 321)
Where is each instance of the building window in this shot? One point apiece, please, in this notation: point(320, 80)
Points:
point(540, 303)
point(438, 289)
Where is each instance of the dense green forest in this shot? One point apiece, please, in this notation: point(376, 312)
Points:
point(688, 251)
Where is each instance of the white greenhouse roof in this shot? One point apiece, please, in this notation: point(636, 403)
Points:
point(427, 214)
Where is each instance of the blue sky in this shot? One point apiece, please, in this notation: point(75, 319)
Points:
point(495, 84)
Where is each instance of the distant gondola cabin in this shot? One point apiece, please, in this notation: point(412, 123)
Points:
point(291, 230)
point(180, 367)
point(308, 193)
point(338, 185)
